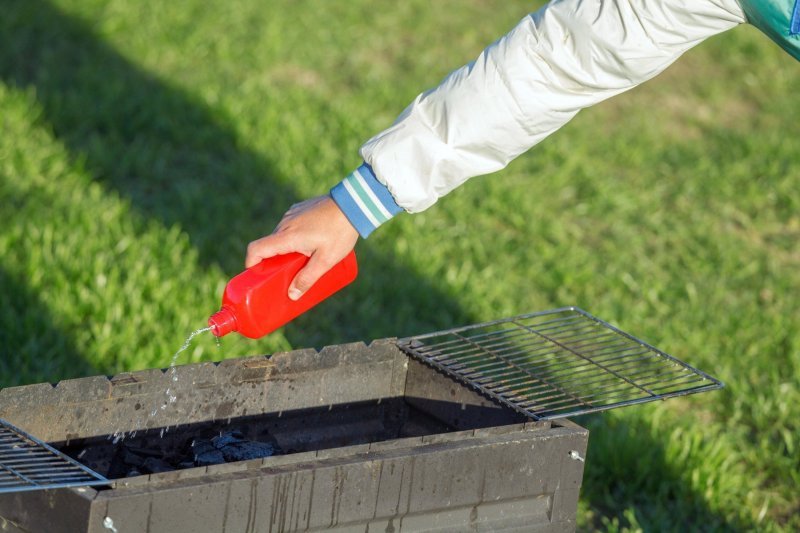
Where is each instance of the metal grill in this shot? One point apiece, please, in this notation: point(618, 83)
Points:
point(558, 363)
point(27, 463)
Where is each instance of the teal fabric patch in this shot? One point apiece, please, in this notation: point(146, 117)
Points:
point(778, 19)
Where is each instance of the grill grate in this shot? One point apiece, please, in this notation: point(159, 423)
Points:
point(27, 463)
point(558, 363)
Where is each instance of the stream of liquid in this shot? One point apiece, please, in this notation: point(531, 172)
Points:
point(169, 395)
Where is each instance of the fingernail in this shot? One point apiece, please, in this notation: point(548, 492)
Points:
point(295, 294)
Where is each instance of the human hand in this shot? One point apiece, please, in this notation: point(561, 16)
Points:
point(316, 228)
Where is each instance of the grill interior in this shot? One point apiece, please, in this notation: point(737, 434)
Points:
point(27, 463)
point(556, 364)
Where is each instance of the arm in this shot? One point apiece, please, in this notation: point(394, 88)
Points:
point(569, 55)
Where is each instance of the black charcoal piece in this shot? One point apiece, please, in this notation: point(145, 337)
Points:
point(154, 465)
point(227, 438)
point(132, 459)
point(245, 450)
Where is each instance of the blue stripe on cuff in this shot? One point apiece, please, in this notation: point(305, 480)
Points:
point(350, 207)
point(351, 210)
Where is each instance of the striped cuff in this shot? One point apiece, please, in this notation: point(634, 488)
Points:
point(365, 201)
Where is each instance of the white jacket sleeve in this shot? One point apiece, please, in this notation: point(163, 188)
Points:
point(569, 55)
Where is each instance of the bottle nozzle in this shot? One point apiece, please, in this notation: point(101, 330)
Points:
point(222, 322)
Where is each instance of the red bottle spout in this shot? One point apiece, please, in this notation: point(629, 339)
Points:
point(222, 322)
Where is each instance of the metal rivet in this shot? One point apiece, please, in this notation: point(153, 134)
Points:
point(575, 455)
point(109, 524)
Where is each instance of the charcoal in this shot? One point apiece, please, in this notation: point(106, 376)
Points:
point(144, 452)
point(203, 453)
point(144, 455)
point(154, 465)
point(211, 457)
point(200, 446)
point(227, 438)
point(116, 468)
point(132, 459)
point(244, 450)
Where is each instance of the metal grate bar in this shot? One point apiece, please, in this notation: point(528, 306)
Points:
point(558, 363)
point(26, 463)
point(520, 369)
point(612, 359)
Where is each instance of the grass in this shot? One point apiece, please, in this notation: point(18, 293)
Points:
point(144, 144)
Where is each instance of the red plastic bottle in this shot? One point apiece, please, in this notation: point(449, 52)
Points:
point(256, 302)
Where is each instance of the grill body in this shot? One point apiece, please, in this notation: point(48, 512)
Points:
point(460, 463)
point(467, 434)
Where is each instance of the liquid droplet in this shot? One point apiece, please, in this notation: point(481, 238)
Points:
point(171, 397)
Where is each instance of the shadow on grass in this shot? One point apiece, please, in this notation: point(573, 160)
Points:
point(627, 468)
point(177, 161)
point(26, 327)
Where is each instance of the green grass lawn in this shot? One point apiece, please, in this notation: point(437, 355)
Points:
point(144, 143)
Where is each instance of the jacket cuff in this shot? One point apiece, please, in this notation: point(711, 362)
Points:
point(365, 201)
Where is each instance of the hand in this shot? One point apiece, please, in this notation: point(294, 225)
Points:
point(316, 228)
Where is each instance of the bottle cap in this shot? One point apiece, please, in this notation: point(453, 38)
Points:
point(222, 322)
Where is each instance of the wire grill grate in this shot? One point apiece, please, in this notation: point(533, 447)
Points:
point(558, 363)
point(26, 463)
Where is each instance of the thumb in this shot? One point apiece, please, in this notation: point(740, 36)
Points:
point(308, 276)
